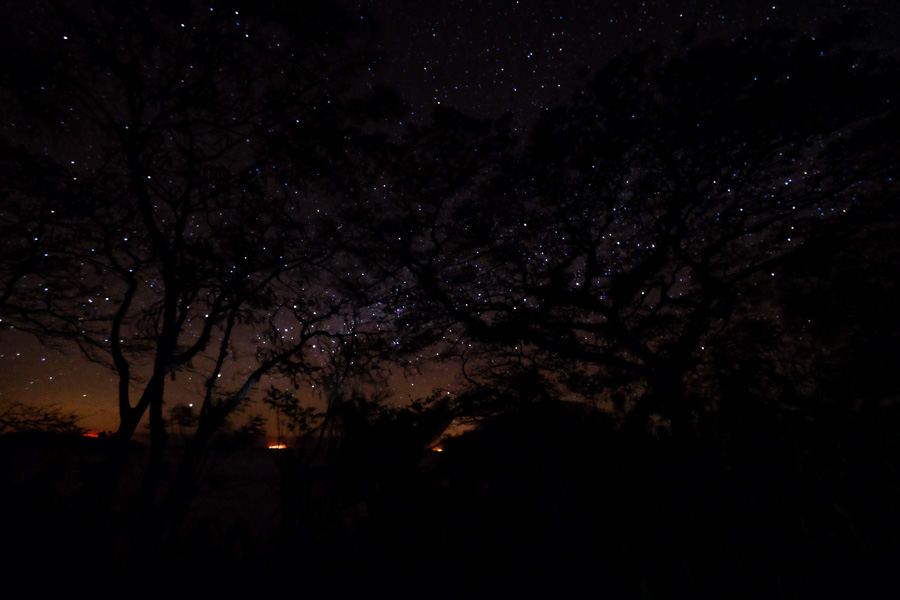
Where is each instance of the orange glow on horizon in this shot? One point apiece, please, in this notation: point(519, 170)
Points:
point(277, 447)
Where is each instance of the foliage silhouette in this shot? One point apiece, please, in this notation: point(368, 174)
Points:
point(17, 417)
point(641, 229)
point(174, 227)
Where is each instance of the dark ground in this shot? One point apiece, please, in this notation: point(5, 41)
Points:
point(548, 501)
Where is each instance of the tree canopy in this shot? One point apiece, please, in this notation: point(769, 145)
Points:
point(643, 238)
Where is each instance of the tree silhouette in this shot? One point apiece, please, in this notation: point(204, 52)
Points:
point(644, 227)
point(17, 417)
point(170, 194)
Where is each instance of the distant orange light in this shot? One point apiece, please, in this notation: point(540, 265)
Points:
point(437, 449)
point(92, 434)
point(277, 447)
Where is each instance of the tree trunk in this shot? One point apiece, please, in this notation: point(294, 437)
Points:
point(178, 500)
point(159, 438)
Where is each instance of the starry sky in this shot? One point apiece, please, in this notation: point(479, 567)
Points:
point(483, 57)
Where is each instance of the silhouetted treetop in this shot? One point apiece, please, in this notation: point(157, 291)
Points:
point(637, 228)
point(180, 226)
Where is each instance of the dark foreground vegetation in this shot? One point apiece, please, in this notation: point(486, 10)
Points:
point(548, 499)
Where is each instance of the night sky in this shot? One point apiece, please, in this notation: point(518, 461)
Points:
point(484, 58)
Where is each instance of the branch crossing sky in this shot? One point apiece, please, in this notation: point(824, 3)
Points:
point(484, 57)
